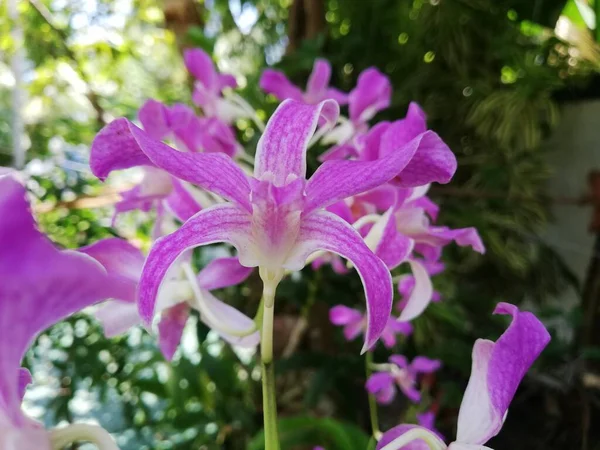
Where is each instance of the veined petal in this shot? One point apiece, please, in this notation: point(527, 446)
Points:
point(336, 180)
point(40, 286)
point(326, 231)
point(281, 150)
point(220, 223)
point(421, 294)
point(225, 318)
point(276, 83)
point(318, 80)
point(117, 317)
point(393, 247)
point(223, 272)
point(121, 144)
point(170, 329)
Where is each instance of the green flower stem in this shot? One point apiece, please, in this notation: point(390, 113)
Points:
point(372, 402)
point(270, 281)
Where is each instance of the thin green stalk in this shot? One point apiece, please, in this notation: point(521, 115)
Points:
point(372, 402)
point(270, 282)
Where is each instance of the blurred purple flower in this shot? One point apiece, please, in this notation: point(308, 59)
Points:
point(355, 324)
point(399, 373)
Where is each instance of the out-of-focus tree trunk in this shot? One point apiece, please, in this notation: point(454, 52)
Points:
point(180, 16)
point(306, 20)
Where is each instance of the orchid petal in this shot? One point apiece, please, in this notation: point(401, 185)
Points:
point(24, 381)
point(117, 317)
point(223, 272)
point(229, 318)
point(121, 144)
point(153, 116)
point(399, 360)
point(393, 434)
point(336, 180)
point(497, 371)
point(393, 248)
point(432, 162)
point(40, 286)
point(276, 83)
point(459, 446)
point(318, 80)
point(373, 92)
point(420, 297)
point(170, 329)
point(281, 150)
point(201, 66)
point(220, 223)
point(181, 202)
point(326, 231)
point(421, 364)
point(381, 385)
point(122, 261)
point(342, 315)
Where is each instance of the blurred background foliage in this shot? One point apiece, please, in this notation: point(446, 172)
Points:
point(489, 73)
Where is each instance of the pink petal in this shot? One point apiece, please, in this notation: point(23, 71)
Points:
point(227, 80)
point(229, 318)
point(342, 315)
point(181, 202)
point(24, 381)
point(337, 95)
point(420, 296)
point(121, 260)
point(40, 286)
point(276, 83)
point(200, 65)
point(281, 150)
point(318, 81)
point(381, 384)
point(433, 162)
point(394, 248)
point(153, 116)
point(428, 205)
point(399, 360)
point(393, 434)
point(411, 393)
point(372, 93)
point(223, 272)
point(170, 329)
point(497, 371)
point(220, 223)
point(326, 231)
point(336, 180)
point(117, 317)
point(121, 144)
point(421, 364)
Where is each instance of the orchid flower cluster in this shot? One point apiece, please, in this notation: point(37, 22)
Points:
point(367, 203)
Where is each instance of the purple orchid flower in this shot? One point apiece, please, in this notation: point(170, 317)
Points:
point(355, 323)
point(317, 88)
point(209, 86)
point(401, 374)
point(179, 293)
point(427, 420)
point(40, 287)
point(498, 368)
point(276, 218)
